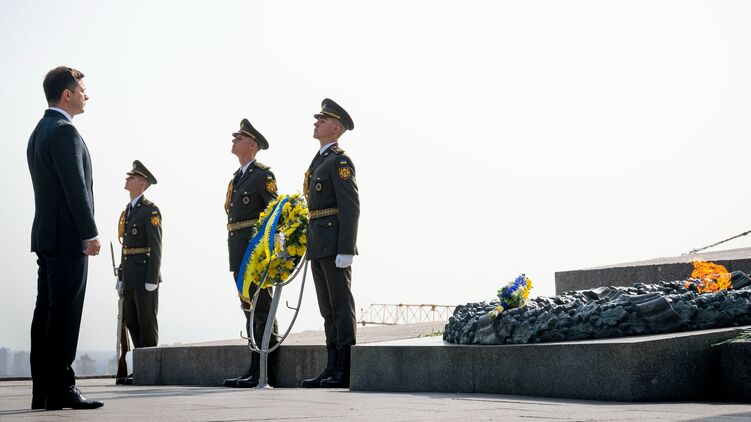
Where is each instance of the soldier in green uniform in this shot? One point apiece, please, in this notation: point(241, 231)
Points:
point(334, 205)
point(249, 192)
point(140, 231)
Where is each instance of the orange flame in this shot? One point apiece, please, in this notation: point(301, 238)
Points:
point(709, 277)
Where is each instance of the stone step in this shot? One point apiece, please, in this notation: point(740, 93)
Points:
point(302, 355)
point(665, 367)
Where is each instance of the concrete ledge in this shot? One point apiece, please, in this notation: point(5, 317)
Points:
point(210, 365)
point(650, 271)
point(303, 355)
point(679, 366)
point(735, 370)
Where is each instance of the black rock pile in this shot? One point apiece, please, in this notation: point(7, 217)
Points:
point(604, 312)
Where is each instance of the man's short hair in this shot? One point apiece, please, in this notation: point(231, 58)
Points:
point(58, 80)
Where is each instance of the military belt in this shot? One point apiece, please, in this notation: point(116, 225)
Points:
point(136, 251)
point(323, 213)
point(241, 225)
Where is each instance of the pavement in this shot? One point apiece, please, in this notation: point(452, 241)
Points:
point(170, 403)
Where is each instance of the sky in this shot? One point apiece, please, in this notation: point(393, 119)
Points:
point(491, 138)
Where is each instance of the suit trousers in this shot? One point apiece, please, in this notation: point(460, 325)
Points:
point(140, 307)
point(61, 287)
point(335, 301)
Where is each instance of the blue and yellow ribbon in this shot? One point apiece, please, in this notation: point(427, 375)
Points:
point(261, 243)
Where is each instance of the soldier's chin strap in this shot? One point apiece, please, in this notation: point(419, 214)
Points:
point(693, 251)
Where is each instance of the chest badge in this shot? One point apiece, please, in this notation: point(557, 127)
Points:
point(246, 200)
point(318, 187)
point(134, 231)
point(345, 172)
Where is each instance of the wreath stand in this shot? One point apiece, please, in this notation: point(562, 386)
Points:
point(264, 349)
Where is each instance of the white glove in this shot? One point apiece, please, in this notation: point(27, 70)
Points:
point(119, 287)
point(150, 287)
point(343, 261)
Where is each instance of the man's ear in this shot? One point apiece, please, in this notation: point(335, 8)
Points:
point(66, 95)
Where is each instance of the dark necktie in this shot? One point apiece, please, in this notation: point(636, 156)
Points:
point(315, 162)
point(236, 179)
point(127, 210)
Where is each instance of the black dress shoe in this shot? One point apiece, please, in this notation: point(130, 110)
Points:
point(72, 399)
point(250, 382)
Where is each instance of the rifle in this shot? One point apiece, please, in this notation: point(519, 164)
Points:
point(122, 346)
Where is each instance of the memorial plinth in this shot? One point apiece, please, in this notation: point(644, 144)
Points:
point(649, 271)
point(662, 367)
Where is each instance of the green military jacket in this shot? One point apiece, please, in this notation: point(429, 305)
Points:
point(141, 233)
point(330, 184)
point(246, 199)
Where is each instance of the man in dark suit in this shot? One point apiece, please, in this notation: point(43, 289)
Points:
point(140, 230)
point(334, 205)
point(249, 192)
point(63, 236)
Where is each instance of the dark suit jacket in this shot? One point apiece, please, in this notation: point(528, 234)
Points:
point(248, 198)
point(60, 168)
point(331, 184)
point(142, 229)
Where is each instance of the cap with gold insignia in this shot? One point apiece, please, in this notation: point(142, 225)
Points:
point(330, 108)
point(248, 130)
point(140, 170)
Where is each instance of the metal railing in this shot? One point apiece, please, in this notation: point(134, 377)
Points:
point(386, 314)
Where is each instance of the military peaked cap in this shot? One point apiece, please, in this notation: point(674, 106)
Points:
point(332, 109)
point(248, 130)
point(140, 170)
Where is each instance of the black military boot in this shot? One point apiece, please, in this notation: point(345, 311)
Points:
point(332, 357)
point(232, 382)
point(339, 378)
point(251, 381)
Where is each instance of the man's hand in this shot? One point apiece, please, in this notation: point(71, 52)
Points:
point(119, 288)
point(92, 247)
point(343, 261)
point(150, 287)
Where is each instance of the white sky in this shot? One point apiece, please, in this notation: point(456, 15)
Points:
point(491, 138)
